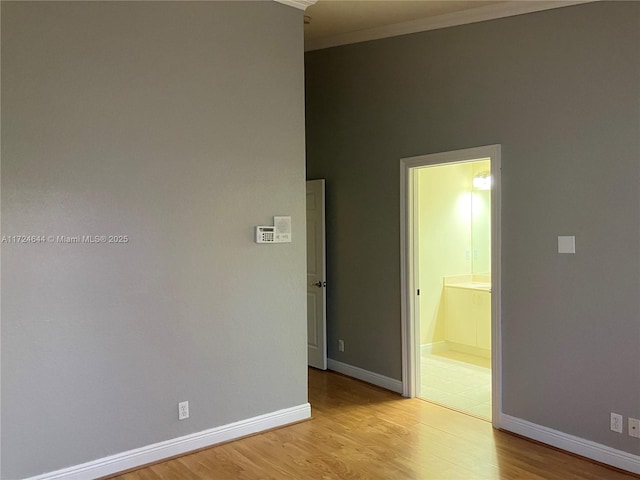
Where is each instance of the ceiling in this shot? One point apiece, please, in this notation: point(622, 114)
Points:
point(339, 22)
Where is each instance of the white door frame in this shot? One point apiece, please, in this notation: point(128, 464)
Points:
point(410, 374)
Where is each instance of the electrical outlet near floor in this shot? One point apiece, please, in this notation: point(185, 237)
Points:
point(634, 427)
point(341, 345)
point(183, 410)
point(616, 422)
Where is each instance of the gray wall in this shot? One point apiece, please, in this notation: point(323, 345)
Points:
point(181, 125)
point(559, 90)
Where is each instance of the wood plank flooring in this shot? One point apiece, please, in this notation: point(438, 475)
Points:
point(359, 431)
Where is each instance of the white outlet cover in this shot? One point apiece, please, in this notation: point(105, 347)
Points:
point(183, 410)
point(634, 427)
point(616, 422)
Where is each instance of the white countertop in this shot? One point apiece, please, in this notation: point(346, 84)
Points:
point(484, 286)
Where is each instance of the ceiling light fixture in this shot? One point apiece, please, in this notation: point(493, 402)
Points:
point(482, 181)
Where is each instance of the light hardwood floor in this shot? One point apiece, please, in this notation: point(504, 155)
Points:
point(359, 431)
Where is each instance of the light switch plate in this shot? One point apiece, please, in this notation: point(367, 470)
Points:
point(566, 244)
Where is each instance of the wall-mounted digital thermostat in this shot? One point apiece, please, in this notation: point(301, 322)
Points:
point(265, 234)
point(280, 232)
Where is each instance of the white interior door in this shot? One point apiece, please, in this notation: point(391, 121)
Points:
point(316, 276)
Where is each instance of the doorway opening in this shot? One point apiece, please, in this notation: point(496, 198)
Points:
point(453, 275)
point(451, 279)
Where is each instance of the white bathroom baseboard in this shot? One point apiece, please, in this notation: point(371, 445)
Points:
point(579, 446)
point(178, 446)
point(365, 375)
point(469, 349)
point(435, 347)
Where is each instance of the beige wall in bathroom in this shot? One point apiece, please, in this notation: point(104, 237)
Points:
point(481, 224)
point(445, 236)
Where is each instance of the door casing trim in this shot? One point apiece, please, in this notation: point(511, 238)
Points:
point(409, 327)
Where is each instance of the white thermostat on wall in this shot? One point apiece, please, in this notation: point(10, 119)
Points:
point(265, 234)
point(283, 228)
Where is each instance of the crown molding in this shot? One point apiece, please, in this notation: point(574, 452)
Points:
point(299, 4)
point(474, 15)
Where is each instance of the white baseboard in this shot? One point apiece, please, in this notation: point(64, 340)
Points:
point(178, 446)
point(579, 446)
point(435, 347)
point(469, 350)
point(365, 375)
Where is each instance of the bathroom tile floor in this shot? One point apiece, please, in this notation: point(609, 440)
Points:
point(458, 381)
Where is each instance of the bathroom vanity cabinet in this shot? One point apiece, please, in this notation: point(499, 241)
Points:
point(468, 315)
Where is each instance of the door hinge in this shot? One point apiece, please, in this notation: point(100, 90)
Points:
point(418, 291)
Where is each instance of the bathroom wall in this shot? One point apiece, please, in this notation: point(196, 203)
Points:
point(453, 226)
point(481, 224)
